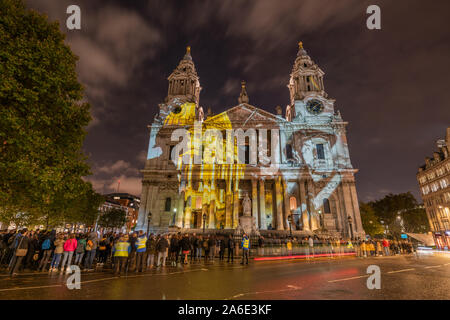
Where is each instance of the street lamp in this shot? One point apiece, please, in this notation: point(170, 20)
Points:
point(204, 222)
point(351, 227)
point(149, 218)
point(290, 223)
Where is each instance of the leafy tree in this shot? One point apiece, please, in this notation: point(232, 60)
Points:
point(370, 221)
point(114, 218)
point(401, 213)
point(42, 120)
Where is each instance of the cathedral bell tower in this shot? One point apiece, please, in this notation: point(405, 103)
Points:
point(306, 77)
point(184, 81)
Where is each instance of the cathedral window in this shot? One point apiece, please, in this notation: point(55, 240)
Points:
point(168, 204)
point(326, 206)
point(320, 151)
point(293, 203)
point(247, 154)
point(289, 155)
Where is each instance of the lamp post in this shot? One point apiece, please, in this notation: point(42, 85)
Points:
point(204, 222)
point(351, 227)
point(290, 224)
point(149, 218)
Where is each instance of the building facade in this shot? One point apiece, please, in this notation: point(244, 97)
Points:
point(295, 168)
point(434, 182)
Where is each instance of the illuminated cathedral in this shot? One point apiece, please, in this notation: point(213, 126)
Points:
point(295, 168)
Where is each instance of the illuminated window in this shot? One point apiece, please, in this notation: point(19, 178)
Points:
point(293, 203)
point(320, 151)
point(198, 203)
point(326, 206)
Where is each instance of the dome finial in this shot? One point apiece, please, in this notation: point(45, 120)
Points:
point(243, 84)
point(188, 49)
point(300, 45)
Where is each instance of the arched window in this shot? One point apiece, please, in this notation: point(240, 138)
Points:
point(326, 206)
point(168, 204)
point(293, 203)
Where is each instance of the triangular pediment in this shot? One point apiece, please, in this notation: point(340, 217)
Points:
point(248, 114)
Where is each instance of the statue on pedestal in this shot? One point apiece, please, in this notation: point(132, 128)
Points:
point(247, 205)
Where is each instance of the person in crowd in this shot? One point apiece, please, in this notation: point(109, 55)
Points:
point(212, 247)
point(121, 250)
point(193, 240)
point(289, 246)
point(261, 245)
point(198, 248)
point(230, 247)
point(20, 252)
point(174, 248)
point(47, 250)
point(151, 251)
point(205, 245)
point(102, 254)
point(81, 247)
point(245, 245)
point(91, 249)
point(185, 245)
point(140, 251)
point(386, 247)
point(69, 248)
point(162, 247)
point(379, 249)
point(59, 250)
point(310, 246)
point(222, 246)
point(132, 256)
point(32, 256)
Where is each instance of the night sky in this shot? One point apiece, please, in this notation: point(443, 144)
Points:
point(391, 85)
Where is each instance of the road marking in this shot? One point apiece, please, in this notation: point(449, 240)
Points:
point(27, 288)
point(433, 266)
point(352, 278)
point(403, 270)
point(289, 288)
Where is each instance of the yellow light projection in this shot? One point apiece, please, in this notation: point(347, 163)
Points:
point(213, 168)
point(182, 115)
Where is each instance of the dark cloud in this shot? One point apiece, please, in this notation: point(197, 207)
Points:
point(390, 84)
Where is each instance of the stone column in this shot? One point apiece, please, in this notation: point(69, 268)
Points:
point(304, 205)
point(255, 201)
point(188, 213)
point(348, 206)
point(262, 205)
point(287, 209)
point(235, 210)
point(313, 223)
point(180, 211)
point(279, 204)
point(357, 222)
point(212, 214)
point(229, 210)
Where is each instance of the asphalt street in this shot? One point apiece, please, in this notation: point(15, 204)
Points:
point(402, 277)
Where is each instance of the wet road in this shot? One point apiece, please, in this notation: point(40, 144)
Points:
point(402, 277)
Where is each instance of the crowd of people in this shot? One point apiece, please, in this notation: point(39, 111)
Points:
point(49, 251)
point(43, 251)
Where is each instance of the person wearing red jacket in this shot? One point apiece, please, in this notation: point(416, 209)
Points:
point(69, 247)
point(386, 247)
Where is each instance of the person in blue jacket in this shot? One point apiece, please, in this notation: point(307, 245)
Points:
point(245, 245)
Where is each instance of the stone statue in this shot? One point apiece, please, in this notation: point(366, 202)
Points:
point(247, 205)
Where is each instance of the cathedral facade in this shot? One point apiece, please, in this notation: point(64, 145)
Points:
point(295, 168)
